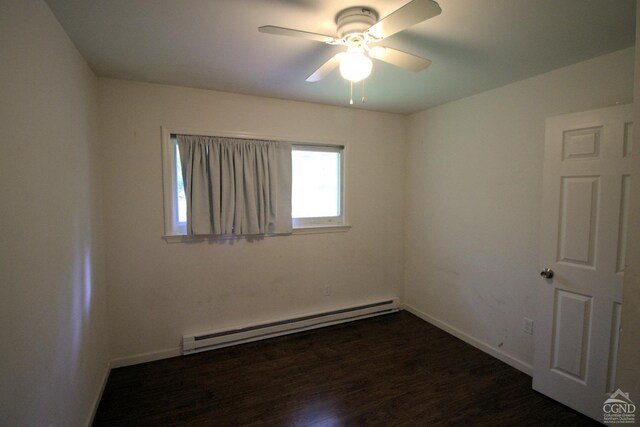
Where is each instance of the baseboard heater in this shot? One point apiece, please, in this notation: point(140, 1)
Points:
point(212, 340)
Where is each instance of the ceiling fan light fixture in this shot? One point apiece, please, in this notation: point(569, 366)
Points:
point(355, 65)
point(358, 29)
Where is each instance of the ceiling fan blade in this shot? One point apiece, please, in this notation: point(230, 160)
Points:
point(407, 16)
point(326, 68)
point(280, 31)
point(402, 59)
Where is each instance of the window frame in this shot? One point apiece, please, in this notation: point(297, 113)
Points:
point(172, 227)
point(174, 232)
point(319, 222)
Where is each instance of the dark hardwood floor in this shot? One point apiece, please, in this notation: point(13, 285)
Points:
point(394, 370)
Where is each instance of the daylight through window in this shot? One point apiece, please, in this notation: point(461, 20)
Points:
point(316, 186)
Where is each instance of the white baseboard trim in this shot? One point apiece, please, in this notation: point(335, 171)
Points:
point(151, 356)
point(96, 400)
point(481, 345)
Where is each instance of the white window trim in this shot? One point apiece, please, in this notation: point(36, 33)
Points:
point(174, 233)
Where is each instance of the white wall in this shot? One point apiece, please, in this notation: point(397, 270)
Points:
point(473, 190)
point(159, 291)
point(628, 372)
point(53, 330)
point(472, 186)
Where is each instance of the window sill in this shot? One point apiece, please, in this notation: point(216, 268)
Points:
point(179, 238)
point(322, 229)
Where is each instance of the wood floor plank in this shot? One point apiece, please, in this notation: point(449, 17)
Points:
point(394, 370)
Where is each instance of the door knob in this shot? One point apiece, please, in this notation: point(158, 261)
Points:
point(547, 273)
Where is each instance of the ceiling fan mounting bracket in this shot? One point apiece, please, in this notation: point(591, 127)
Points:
point(355, 21)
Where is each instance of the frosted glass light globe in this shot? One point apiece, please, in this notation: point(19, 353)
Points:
point(355, 66)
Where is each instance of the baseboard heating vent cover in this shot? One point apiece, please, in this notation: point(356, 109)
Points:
point(212, 340)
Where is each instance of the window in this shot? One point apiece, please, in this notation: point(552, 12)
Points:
point(317, 186)
point(317, 198)
point(181, 197)
point(175, 202)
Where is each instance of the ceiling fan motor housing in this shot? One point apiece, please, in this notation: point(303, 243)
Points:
point(355, 20)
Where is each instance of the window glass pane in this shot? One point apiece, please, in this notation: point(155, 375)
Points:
point(182, 199)
point(315, 184)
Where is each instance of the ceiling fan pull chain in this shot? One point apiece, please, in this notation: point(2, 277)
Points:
point(363, 91)
point(351, 99)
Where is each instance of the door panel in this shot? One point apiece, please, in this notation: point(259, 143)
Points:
point(579, 211)
point(572, 321)
point(581, 144)
point(628, 139)
point(613, 347)
point(625, 193)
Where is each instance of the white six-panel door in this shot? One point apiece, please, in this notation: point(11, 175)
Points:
point(586, 189)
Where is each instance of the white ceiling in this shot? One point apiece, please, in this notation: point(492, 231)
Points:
point(475, 45)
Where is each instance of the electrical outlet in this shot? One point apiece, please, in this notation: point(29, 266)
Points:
point(527, 325)
point(327, 290)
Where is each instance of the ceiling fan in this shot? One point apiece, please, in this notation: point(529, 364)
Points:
point(359, 30)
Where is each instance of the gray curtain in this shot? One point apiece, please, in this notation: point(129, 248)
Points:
point(236, 186)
